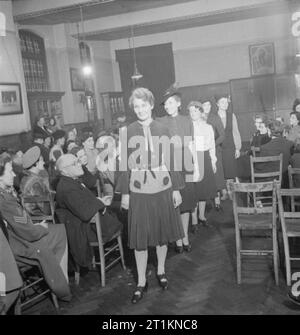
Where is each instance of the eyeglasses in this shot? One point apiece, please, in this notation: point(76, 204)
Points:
point(73, 164)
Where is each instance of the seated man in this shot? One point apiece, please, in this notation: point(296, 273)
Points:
point(30, 242)
point(76, 206)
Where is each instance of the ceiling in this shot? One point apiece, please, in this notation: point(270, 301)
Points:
point(91, 10)
point(103, 8)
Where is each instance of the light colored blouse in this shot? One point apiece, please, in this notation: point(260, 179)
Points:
point(235, 130)
point(205, 139)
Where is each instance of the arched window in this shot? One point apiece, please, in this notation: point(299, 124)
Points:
point(34, 61)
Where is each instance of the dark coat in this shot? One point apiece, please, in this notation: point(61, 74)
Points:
point(28, 244)
point(275, 147)
point(76, 206)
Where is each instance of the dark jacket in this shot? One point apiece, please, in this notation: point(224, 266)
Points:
point(27, 243)
point(76, 206)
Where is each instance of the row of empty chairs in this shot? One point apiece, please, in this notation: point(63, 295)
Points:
point(263, 205)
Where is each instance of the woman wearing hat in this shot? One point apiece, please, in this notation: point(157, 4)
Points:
point(204, 149)
point(36, 181)
point(232, 143)
point(179, 125)
point(215, 121)
point(150, 190)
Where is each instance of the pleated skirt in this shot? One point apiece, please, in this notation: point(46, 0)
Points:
point(153, 220)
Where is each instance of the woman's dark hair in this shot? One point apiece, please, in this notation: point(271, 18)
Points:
point(297, 114)
point(4, 159)
point(296, 103)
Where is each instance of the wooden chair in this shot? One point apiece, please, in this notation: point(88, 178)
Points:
point(48, 199)
point(292, 172)
point(115, 244)
point(31, 272)
point(255, 150)
point(252, 217)
point(256, 176)
point(290, 225)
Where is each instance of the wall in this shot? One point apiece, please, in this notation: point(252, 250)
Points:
point(218, 53)
point(11, 72)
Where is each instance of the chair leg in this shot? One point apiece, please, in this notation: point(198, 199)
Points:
point(287, 261)
point(121, 251)
point(102, 264)
point(238, 257)
point(55, 302)
point(275, 256)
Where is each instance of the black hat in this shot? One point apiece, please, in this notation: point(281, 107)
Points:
point(59, 134)
point(172, 90)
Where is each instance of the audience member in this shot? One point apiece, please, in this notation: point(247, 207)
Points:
point(35, 182)
point(262, 134)
point(293, 131)
point(76, 207)
point(42, 242)
point(275, 147)
point(87, 141)
point(40, 125)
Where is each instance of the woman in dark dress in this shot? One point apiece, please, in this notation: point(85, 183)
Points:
point(149, 190)
point(232, 143)
point(204, 150)
point(180, 126)
point(215, 121)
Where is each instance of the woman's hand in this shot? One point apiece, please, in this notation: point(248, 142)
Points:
point(177, 200)
point(107, 200)
point(125, 201)
point(237, 154)
point(214, 167)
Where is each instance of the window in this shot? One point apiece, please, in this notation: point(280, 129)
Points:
point(34, 61)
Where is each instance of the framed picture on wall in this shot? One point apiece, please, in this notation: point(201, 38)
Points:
point(10, 99)
point(77, 80)
point(262, 59)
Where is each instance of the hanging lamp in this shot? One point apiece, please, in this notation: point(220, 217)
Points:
point(136, 74)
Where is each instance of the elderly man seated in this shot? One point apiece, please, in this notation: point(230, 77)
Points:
point(76, 207)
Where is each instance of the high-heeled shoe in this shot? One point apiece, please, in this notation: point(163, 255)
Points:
point(195, 228)
point(187, 247)
point(163, 281)
point(204, 223)
point(139, 293)
point(179, 249)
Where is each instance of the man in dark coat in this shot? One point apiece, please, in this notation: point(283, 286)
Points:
point(76, 207)
point(275, 147)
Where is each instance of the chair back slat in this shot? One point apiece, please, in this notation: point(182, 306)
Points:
point(42, 199)
point(268, 174)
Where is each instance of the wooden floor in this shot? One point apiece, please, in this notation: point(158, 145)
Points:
point(201, 282)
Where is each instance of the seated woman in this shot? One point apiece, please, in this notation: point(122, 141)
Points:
point(295, 161)
point(10, 279)
point(294, 130)
point(34, 242)
point(35, 182)
point(262, 134)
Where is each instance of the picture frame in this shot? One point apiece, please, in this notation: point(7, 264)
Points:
point(77, 80)
point(10, 99)
point(262, 59)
